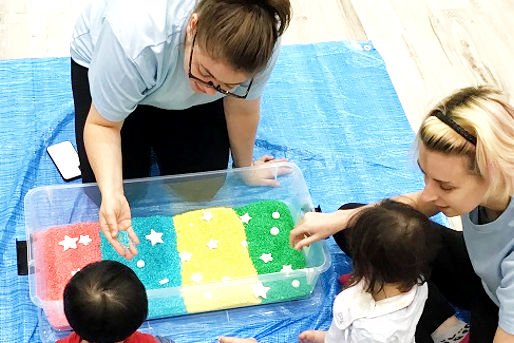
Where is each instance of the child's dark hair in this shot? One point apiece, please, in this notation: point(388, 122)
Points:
point(391, 243)
point(105, 302)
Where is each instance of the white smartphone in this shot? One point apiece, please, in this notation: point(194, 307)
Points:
point(66, 159)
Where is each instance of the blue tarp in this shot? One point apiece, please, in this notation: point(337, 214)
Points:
point(329, 107)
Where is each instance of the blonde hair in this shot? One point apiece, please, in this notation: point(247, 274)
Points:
point(484, 113)
point(241, 33)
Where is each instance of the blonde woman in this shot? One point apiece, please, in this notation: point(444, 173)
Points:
point(466, 152)
point(181, 78)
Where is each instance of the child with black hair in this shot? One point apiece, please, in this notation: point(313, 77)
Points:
point(384, 299)
point(105, 302)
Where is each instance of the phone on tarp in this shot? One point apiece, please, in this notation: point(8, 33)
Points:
point(66, 160)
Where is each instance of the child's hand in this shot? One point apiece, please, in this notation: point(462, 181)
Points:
point(223, 339)
point(312, 336)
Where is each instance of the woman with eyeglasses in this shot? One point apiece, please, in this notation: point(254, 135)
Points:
point(466, 153)
point(180, 78)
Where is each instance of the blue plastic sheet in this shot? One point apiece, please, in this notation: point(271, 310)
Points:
point(329, 107)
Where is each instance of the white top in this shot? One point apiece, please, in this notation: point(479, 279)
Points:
point(491, 250)
point(359, 318)
point(135, 54)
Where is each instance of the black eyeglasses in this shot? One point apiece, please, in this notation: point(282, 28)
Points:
point(210, 83)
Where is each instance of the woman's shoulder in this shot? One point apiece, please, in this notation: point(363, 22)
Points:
point(140, 24)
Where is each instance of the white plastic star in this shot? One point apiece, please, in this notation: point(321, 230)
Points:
point(244, 243)
point(275, 215)
point(260, 290)
point(154, 237)
point(295, 283)
point(266, 258)
point(196, 277)
point(207, 215)
point(212, 244)
point(274, 231)
point(185, 256)
point(245, 218)
point(69, 242)
point(286, 268)
point(85, 239)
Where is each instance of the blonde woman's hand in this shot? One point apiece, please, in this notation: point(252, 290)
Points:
point(316, 226)
point(265, 176)
point(114, 217)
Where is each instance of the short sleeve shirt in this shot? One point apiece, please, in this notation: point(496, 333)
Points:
point(491, 250)
point(134, 51)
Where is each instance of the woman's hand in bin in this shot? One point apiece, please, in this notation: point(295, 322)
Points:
point(266, 176)
point(316, 226)
point(114, 217)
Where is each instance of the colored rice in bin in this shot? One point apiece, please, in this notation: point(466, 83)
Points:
point(197, 261)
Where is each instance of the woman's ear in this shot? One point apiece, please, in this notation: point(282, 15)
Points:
point(191, 25)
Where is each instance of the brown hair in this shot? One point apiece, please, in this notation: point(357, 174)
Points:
point(391, 243)
point(241, 33)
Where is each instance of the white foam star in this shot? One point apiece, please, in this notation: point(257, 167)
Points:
point(275, 215)
point(245, 218)
point(295, 283)
point(73, 272)
point(69, 243)
point(196, 277)
point(185, 256)
point(207, 215)
point(154, 237)
point(244, 243)
point(164, 281)
point(212, 244)
point(266, 258)
point(260, 290)
point(286, 268)
point(140, 264)
point(85, 239)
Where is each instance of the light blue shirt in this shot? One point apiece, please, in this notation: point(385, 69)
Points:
point(135, 54)
point(490, 247)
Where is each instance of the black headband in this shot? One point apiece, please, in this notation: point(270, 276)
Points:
point(456, 127)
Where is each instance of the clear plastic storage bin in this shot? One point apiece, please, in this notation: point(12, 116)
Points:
point(54, 207)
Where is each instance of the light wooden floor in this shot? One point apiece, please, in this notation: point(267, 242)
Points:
point(431, 47)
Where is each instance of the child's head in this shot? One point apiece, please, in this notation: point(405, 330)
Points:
point(105, 302)
point(390, 244)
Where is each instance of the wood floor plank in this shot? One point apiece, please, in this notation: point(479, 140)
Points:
point(323, 20)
